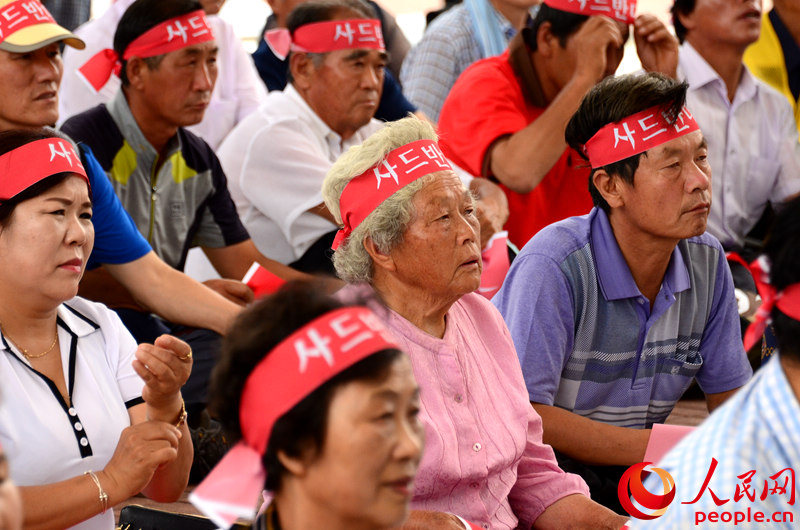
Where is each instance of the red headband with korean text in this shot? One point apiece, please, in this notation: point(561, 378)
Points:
point(328, 36)
point(788, 300)
point(297, 366)
point(400, 167)
point(174, 34)
point(21, 14)
point(621, 10)
point(35, 161)
point(636, 134)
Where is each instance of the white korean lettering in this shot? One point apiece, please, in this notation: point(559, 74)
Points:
point(344, 30)
point(178, 30)
point(600, 6)
point(317, 349)
point(64, 153)
point(681, 124)
point(628, 137)
point(647, 126)
point(196, 23)
point(14, 16)
point(365, 33)
point(338, 325)
point(435, 154)
point(622, 9)
point(37, 10)
point(408, 160)
point(355, 341)
point(389, 174)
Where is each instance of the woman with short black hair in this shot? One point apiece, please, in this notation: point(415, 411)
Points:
point(81, 429)
point(324, 405)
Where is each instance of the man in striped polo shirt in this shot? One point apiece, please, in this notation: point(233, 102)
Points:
point(614, 313)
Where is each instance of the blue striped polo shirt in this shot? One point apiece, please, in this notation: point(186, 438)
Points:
point(588, 340)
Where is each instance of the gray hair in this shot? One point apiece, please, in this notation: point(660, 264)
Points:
point(387, 223)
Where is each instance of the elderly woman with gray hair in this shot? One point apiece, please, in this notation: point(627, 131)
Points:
point(410, 234)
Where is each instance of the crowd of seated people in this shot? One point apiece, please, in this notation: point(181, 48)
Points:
point(506, 263)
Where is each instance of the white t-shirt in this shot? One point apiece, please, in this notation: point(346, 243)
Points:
point(238, 91)
point(46, 440)
point(275, 161)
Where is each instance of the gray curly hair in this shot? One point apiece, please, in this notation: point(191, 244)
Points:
point(387, 223)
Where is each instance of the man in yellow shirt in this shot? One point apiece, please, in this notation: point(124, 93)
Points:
point(775, 56)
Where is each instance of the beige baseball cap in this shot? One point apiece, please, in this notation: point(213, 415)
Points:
point(36, 27)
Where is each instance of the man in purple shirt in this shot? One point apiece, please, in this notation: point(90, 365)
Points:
point(613, 314)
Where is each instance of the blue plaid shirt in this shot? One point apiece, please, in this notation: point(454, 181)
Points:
point(448, 47)
point(758, 429)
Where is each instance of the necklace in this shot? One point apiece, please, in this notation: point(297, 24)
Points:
point(24, 351)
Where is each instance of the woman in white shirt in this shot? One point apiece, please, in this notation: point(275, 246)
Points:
point(87, 419)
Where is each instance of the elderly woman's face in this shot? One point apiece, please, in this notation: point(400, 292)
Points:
point(10, 501)
point(46, 242)
point(440, 251)
point(364, 476)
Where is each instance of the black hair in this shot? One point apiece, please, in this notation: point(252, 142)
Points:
point(253, 335)
point(323, 10)
point(783, 250)
point(562, 25)
point(614, 99)
point(681, 7)
point(141, 16)
point(12, 139)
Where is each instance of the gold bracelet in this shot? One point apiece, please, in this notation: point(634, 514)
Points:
point(102, 495)
point(182, 415)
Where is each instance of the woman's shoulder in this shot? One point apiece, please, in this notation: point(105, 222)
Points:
point(86, 313)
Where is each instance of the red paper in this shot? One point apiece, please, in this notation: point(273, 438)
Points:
point(495, 264)
point(261, 281)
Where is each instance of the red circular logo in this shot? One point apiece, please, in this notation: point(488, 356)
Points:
point(630, 485)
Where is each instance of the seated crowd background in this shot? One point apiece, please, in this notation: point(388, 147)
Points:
point(505, 263)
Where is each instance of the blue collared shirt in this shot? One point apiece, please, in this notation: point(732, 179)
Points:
point(588, 340)
point(755, 430)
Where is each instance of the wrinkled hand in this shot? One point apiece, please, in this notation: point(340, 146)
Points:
point(591, 44)
point(233, 290)
point(491, 207)
point(427, 520)
point(164, 366)
point(141, 449)
point(656, 46)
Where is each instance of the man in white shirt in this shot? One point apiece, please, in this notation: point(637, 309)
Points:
point(752, 140)
point(277, 158)
point(238, 91)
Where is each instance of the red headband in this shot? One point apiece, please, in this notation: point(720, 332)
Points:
point(328, 36)
point(28, 164)
point(21, 14)
point(400, 167)
point(296, 367)
point(788, 300)
point(622, 10)
point(636, 134)
point(174, 34)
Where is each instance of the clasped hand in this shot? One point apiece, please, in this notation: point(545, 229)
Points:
point(164, 366)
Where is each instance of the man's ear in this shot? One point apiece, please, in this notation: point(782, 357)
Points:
point(136, 70)
point(302, 67)
point(545, 40)
point(687, 20)
point(610, 187)
point(296, 465)
point(379, 259)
